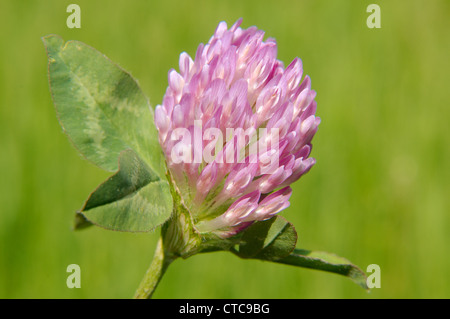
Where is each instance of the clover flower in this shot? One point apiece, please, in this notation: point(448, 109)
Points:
point(236, 127)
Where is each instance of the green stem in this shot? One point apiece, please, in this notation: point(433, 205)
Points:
point(158, 267)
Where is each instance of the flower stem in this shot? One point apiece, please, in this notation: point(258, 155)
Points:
point(158, 267)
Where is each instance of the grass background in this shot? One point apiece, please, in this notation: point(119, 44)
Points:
point(379, 193)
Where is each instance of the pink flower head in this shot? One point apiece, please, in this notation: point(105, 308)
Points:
point(235, 126)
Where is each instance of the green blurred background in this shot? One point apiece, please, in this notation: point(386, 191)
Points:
point(379, 193)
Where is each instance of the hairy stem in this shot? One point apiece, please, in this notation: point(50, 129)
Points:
point(158, 267)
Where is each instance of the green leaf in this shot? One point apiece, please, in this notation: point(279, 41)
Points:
point(269, 240)
point(134, 199)
point(275, 240)
point(326, 262)
point(100, 106)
